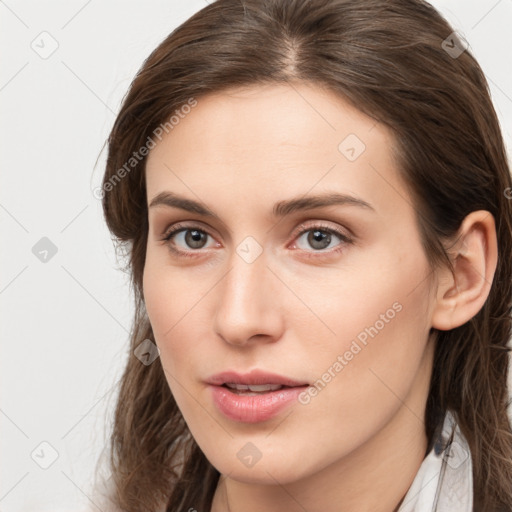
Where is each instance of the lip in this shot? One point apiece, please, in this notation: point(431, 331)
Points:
point(253, 408)
point(253, 377)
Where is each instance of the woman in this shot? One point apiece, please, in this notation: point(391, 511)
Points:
point(315, 200)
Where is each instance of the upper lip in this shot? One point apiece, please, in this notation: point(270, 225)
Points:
point(254, 377)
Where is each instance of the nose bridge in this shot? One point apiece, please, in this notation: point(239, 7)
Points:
point(247, 300)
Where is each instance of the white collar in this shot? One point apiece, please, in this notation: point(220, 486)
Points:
point(444, 482)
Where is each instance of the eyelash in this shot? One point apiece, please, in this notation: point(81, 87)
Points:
point(345, 240)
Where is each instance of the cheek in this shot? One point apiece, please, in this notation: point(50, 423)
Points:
point(174, 304)
point(369, 366)
point(164, 301)
point(374, 313)
point(165, 292)
point(169, 305)
point(376, 294)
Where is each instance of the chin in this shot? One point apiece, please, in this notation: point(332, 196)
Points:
point(268, 470)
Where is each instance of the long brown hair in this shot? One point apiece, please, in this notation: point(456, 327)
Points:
point(397, 61)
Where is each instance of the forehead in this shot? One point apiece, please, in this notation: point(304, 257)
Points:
point(284, 139)
point(290, 116)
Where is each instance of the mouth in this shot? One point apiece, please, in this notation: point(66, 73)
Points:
point(253, 397)
point(253, 389)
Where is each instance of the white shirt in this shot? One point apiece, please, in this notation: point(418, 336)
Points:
point(444, 482)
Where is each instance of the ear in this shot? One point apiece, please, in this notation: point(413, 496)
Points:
point(474, 255)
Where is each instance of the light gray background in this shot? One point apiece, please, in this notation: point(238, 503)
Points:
point(65, 322)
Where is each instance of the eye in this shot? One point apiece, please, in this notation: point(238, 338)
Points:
point(320, 238)
point(186, 238)
point(193, 238)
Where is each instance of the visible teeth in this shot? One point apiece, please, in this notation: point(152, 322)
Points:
point(264, 387)
point(257, 388)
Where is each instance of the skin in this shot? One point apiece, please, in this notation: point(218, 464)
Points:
point(357, 445)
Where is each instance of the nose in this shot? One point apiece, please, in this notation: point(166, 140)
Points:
point(249, 309)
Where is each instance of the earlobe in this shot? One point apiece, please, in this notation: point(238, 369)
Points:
point(461, 295)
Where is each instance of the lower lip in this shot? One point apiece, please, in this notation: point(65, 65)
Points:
point(255, 408)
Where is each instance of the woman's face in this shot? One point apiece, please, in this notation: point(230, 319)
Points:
point(297, 261)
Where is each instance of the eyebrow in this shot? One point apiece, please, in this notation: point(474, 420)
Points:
point(280, 209)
